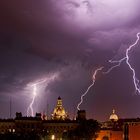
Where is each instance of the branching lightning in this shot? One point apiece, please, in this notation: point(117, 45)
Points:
point(126, 59)
point(93, 82)
point(117, 63)
point(34, 86)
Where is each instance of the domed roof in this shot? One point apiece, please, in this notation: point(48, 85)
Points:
point(113, 116)
point(59, 112)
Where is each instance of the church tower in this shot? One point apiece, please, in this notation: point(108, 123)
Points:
point(59, 112)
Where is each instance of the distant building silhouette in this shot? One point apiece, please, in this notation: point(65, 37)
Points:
point(60, 127)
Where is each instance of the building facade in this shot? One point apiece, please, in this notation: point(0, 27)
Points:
point(119, 129)
point(55, 128)
point(60, 127)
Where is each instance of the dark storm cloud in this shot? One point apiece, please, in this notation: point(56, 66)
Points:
point(38, 38)
point(45, 26)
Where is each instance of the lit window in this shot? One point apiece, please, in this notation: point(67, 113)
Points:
point(53, 137)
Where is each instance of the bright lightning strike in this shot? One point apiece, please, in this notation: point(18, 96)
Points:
point(126, 59)
point(93, 82)
point(30, 110)
point(118, 63)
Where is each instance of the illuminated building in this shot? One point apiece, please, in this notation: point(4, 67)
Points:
point(120, 129)
point(112, 129)
point(113, 116)
point(54, 129)
point(110, 135)
point(7, 126)
point(134, 131)
point(59, 127)
point(59, 112)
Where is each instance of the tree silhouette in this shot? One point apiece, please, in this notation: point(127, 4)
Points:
point(87, 129)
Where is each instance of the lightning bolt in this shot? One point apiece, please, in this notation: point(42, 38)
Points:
point(126, 59)
point(93, 82)
point(117, 63)
point(30, 108)
point(34, 86)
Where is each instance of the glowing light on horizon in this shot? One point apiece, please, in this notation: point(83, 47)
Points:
point(93, 82)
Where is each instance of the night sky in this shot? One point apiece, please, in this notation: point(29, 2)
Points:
point(64, 41)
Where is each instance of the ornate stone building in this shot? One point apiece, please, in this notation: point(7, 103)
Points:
point(112, 129)
point(60, 127)
point(54, 129)
point(59, 112)
point(113, 116)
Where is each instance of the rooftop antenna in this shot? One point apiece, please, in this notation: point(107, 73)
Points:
point(47, 111)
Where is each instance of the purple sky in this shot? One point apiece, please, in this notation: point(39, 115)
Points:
point(39, 39)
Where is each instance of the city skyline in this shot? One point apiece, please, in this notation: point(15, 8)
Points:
point(51, 49)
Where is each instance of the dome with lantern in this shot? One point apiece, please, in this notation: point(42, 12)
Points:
point(59, 112)
point(113, 116)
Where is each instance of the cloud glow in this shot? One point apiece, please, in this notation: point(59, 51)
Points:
point(95, 13)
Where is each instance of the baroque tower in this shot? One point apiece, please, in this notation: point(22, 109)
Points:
point(59, 112)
